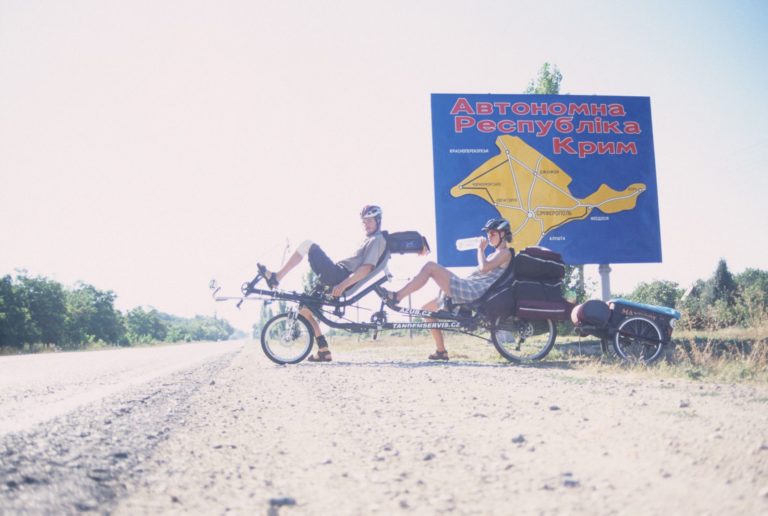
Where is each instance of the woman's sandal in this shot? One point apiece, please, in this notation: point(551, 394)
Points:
point(269, 277)
point(322, 355)
point(439, 355)
point(390, 298)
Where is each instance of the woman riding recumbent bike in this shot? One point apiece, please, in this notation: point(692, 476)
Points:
point(520, 309)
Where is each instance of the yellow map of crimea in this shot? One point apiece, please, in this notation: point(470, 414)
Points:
point(532, 193)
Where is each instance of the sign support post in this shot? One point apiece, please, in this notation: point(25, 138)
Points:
point(605, 280)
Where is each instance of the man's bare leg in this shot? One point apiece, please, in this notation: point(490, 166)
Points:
point(292, 262)
point(301, 251)
point(312, 321)
point(322, 344)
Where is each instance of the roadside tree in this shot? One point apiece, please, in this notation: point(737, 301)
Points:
point(91, 316)
point(14, 317)
point(44, 298)
point(144, 326)
point(659, 292)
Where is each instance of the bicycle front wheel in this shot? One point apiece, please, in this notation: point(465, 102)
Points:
point(287, 339)
point(523, 340)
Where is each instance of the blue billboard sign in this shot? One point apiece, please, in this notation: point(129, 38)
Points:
point(572, 173)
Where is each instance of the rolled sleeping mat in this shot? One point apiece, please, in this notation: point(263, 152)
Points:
point(594, 312)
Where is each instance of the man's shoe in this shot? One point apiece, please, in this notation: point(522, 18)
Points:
point(269, 277)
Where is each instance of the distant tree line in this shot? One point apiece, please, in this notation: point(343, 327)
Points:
point(723, 300)
point(38, 310)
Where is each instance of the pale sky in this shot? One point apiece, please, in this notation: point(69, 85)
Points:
point(147, 147)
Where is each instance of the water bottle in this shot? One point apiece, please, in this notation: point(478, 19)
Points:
point(468, 244)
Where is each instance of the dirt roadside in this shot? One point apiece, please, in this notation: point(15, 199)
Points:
point(368, 434)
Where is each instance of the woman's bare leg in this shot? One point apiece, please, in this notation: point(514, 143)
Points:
point(437, 272)
point(432, 306)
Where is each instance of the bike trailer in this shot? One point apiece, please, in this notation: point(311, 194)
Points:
point(665, 318)
point(406, 242)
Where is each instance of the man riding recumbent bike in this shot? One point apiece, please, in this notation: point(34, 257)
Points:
point(517, 314)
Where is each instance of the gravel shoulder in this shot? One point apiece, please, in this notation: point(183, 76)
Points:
point(37, 388)
point(369, 434)
point(105, 413)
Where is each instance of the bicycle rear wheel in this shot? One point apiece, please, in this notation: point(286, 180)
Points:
point(523, 340)
point(287, 339)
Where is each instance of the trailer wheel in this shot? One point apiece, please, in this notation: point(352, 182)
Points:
point(638, 340)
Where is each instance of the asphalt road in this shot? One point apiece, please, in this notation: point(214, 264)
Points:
point(216, 428)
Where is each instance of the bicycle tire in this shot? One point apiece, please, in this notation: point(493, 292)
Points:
point(523, 340)
point(638, 339)
point(286, 342)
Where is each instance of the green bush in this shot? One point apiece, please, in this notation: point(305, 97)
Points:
point(726, 300)
point(660, 293)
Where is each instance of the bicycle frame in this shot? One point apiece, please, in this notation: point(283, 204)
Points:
point(516, 339)
point(317, 304)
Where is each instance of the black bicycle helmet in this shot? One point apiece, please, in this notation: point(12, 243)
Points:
point(501, 225)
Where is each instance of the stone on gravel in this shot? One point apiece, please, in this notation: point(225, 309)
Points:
point(285, 501)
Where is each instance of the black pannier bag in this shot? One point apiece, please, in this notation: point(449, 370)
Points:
point(498, 300)
point(534, 289)
point(538, 285)
point(539, 263)
point(499, 304)
point(543, 302)
point(406, 242)
point(537, 290)
point(506, 300)
point(525, 283)
point(557, 310)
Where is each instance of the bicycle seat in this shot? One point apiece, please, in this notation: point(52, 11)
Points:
point(502, 281)
point(380, 266)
